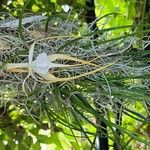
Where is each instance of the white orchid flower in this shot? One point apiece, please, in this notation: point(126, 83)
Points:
point(66, 7)
point(42, 64)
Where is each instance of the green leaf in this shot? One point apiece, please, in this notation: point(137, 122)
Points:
point(75, 145)
point(11, 146)
point(35, 8)
point(2, 146)
point(28, 141)
point(34, 131)
point(22, 146)
point(43, 139)
point(35, 146)
point(53, 139)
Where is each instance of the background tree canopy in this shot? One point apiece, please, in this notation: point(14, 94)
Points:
point(95, 91)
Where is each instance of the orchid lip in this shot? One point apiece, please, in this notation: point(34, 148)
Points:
point(42, 64)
